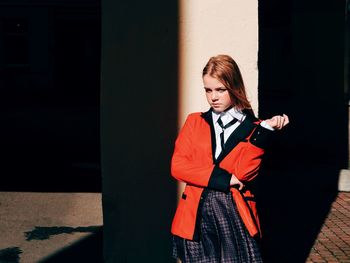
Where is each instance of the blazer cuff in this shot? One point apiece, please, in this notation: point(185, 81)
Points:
point(261, 137)
point(219, 179)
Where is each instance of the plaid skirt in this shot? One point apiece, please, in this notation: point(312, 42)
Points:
point(223, 235)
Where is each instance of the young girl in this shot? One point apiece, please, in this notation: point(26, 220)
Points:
point(218, 154)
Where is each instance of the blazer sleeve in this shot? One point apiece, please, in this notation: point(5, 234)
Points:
point(185, 168)
point(249, 159)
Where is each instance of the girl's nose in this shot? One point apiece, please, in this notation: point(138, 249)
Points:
point(214, 96)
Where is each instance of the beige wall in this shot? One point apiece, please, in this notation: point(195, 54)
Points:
point(208, 28)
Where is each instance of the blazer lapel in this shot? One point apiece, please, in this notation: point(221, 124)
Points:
point(238, 135)
point(207, 116)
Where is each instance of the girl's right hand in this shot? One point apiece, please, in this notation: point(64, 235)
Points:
point(235, 182)
point(278, 122)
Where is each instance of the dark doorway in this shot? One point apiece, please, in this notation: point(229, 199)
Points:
point(50, 96)
point(301, 67)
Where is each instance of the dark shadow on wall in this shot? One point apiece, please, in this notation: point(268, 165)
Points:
point(294, 201)
point(138, 128)
point(301, 67)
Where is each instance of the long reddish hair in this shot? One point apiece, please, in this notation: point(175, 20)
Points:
point(225, 69)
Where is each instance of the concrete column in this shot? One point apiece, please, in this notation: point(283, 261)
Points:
point(150, 80)
point(138, 128)
point(344, 176)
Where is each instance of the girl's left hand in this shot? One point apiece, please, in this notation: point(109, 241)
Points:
point(235, 182)
point(278, 122)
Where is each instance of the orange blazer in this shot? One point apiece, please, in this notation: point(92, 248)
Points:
point(193, 162)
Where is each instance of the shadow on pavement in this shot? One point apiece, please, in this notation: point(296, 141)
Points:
point(42, 233)
point(10, 255)
point(293, 213)
point(85, 250)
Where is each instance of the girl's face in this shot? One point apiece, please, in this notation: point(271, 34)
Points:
point(218, 96)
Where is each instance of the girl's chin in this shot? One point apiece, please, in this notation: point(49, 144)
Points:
point(219, 109)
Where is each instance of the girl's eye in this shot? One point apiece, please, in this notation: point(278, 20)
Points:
point(207, 90)
point(222, 90)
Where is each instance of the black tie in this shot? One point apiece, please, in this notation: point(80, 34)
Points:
point(223, 127)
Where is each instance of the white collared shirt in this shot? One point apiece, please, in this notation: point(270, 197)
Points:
point(226, 117)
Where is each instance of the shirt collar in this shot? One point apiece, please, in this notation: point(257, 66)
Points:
point(235, 113)
point(231, 113)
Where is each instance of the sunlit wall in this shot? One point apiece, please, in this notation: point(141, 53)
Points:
point(208, 28)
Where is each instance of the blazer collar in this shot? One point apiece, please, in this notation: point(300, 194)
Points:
point(237, 136)
point(208, 117)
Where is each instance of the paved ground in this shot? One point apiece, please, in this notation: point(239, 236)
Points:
point(333, 242)
point(37, 226)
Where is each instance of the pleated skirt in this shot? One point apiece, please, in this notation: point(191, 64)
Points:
point(223, 235)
